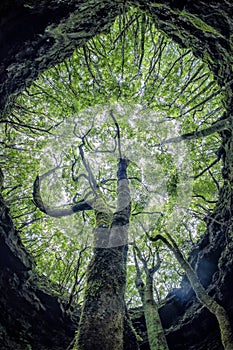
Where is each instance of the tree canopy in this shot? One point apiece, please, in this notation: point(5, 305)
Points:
point(166, 107)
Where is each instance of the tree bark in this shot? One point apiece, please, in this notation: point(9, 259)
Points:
point(154, 326)
point(103, 315)
point(102, 319)
point(155, 331)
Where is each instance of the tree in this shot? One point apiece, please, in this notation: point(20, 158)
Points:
point(104, 307)
point(227, 177)
point(202, 295)
point(156, 336)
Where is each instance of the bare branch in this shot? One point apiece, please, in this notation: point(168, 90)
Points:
point(206, 169)
point(156, 266)
point(141, 258)
point(85, 51)
point(163, 239)
point(214, 180)
point(138, 281)
point(57, 212)
point(77, 279)
point(148, 213)
point(202, 197)
point(218, 126)
point(118, 133)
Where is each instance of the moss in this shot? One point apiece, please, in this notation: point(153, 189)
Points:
point(231, 41)
point(207, 58)
point(74, 345)
point(138, 337)
point(197, 22)
point(157, 4)
point(201, 25)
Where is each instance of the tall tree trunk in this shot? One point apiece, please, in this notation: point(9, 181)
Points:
point(154, 327)
point(103, 315)
point(155, 332)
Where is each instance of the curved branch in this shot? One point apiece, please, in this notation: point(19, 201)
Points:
point(118, 133)
point(206, 169)
point(57, 212)
point(91, 178)
point(204, 199)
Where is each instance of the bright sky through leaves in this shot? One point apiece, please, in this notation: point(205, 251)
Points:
point(157, 91)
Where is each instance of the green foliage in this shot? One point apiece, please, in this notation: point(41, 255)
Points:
point(156, 90)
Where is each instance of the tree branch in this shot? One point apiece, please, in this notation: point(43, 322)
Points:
point(138, 280)
point(57, 212)
point(207, 168)
point(118, 133)
point(218, 126)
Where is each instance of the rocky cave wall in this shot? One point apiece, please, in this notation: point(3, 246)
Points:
point(35, 35)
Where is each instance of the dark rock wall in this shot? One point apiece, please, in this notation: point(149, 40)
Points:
point(35, 35)
point(28, 314)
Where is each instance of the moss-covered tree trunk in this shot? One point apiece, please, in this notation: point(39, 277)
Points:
point(155, 332)
point(103, 315)
point(154, 327)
